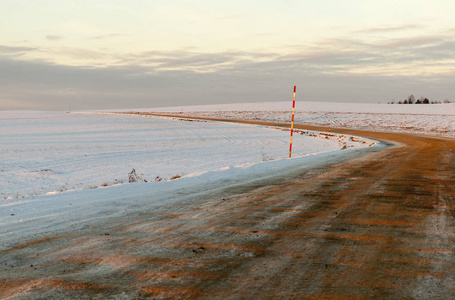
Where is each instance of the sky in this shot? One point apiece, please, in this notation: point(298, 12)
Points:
point(137, 54)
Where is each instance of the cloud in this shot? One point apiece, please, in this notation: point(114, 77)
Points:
point(342, 54)
point(15, 104)
point(191, 60)
point(415, 41)
point(46, 86)
point(429, 53)
point(108, 36)
point(348, 69)
point(390, 29)
point(14, 51)
point(54, 37)
point(74, 54)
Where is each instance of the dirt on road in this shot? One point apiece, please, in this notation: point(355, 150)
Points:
point(380, 225)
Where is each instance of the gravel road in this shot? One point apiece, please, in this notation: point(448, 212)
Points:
point(376, 226)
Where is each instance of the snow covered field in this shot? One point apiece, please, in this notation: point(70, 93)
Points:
point(48, 153)
point(435, 119)
point(59, 169)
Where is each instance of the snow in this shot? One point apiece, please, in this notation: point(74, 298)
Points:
point(47, 153)
point(364, 108)
point(61, 171)
point(434, 119)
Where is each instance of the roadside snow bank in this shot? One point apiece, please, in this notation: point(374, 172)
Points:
point(49, 215)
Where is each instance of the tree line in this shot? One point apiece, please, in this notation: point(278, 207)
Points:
point(422, 100)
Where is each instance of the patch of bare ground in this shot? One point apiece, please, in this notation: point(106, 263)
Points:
point(380, 225)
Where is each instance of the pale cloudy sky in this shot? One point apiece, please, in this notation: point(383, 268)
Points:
point(137, 53)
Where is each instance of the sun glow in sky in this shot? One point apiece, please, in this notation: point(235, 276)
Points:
point(137, 53)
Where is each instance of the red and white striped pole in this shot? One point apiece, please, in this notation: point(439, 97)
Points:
point(292, 123)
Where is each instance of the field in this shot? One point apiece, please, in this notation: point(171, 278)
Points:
point(52, 163)
point(373, 220)
point(421, 119)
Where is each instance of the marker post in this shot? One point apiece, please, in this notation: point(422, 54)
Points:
point(292, 123)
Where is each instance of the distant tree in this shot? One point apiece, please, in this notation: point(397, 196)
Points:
point(426, 101)
point(399, 102)
point(419, 102)
point(411, 99)
point(405, 102)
